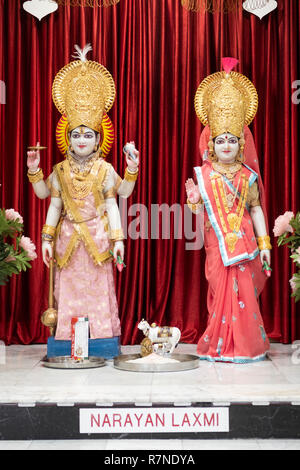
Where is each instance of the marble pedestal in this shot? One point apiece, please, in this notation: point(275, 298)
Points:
point(38, 403)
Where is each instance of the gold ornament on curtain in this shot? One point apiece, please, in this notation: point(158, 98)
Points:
point(211, 6)
point(87, 3)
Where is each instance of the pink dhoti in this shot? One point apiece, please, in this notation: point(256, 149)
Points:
point(85, 290)
point(84, 281)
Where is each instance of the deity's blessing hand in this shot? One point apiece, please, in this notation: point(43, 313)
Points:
point(33, 159)
point(192, 191)
point(133, 164)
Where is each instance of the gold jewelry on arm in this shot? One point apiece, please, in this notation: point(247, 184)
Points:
point(253, 199)
point(117, 235)
point(54, 192)
point(264, 243)
point(48, 232)
point(35, 177)
point(111, 193)
point(195, 208)
point(131, 177)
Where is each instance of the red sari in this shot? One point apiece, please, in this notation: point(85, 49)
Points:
point(235, 330)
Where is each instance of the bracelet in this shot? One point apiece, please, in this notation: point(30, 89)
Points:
point(194, 207)
point(35, 177)
point(48, 232)
point(117, 235)
point(47, 238)
point(264, 243)
point(131, 177)
point(111, 193)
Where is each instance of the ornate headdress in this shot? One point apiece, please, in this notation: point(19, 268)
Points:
point(226, 101)
point(83, 90)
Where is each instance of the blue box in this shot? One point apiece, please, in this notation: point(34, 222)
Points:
point(108, 348)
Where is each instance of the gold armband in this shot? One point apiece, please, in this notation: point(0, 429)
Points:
point(111, 193)
point(35, 177)
point(194, 207)
point(264, 243)
point(117, 235)
point(54, 192)
point(131, 177)
point(48, 232)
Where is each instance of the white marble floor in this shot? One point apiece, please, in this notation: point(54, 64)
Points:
point(24, 380)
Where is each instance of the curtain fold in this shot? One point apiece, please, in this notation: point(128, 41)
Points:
point(157, 53)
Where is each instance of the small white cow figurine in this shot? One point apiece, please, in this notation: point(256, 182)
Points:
point(170, 336)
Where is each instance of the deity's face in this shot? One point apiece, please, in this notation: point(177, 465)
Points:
point(226, 148)
point(83, 140)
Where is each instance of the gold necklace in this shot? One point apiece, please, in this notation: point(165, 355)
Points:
point(229, 170)
point(80, 185)
point(234, 219)
point(230, 198)
point(81, 167)
point(80, 177)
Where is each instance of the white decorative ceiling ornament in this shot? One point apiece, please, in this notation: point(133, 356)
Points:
point(260, 8)
point(40, 8)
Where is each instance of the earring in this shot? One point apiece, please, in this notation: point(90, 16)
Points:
point(211, 153)
point(95, 148)
point(242, 142)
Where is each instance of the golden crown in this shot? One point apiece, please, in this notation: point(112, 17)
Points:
point(226, 101)
point(84, 91)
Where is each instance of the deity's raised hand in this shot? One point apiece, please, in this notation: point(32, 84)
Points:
point(192, 191)
point(33, 159)
point(132, 163)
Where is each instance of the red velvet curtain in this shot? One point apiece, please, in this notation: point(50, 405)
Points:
point(157, 53)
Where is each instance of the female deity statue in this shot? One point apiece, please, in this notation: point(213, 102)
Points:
point(83, 224)
point(235, 224)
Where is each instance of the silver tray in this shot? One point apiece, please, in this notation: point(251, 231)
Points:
point(186, 362)
point(66, 362)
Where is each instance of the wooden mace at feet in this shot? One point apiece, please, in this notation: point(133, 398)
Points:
point(49, 317)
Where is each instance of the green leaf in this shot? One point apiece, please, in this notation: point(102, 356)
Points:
point(296, 295)
point(9, 228)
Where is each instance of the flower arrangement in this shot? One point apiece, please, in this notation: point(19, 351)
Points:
point(16, 251)
point(287, 229)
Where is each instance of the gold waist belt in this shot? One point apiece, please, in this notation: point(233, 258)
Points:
point(81, 221)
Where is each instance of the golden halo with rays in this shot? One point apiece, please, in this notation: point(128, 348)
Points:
point(107, 135)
